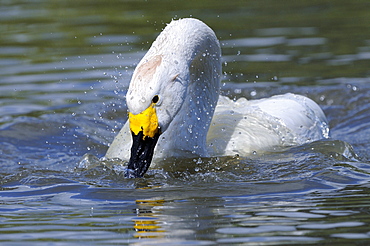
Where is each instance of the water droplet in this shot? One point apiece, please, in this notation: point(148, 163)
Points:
point(143, 100)
point(190, 130)
point(237, 91)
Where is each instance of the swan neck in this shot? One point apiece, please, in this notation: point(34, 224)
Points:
point(193, 122)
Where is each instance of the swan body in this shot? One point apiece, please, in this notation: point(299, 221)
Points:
point(178, 81)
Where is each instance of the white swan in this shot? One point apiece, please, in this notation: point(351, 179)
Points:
point(173, 95)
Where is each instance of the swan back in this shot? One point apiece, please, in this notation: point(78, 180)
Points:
point(244, 127)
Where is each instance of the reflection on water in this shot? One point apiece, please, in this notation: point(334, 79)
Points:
point(64, 70)
point(63, 213)
point(147, 224)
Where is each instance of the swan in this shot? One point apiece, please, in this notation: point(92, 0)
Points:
point(175, 109)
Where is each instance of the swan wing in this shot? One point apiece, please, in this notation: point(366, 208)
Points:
point(243, 127)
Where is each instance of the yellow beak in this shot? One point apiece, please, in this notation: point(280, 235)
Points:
point(146, 121)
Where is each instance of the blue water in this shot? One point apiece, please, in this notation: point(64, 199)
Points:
point(64, 71)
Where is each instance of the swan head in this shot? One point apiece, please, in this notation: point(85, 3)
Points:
point(153, 99)
point(182, 64)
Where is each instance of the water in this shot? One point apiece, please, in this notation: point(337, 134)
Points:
point(64, 70)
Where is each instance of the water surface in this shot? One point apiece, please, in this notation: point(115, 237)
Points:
point(64, 71)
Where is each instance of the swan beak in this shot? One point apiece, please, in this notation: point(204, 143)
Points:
point(145, 134)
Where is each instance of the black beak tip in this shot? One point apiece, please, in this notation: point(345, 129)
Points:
point(142, 151)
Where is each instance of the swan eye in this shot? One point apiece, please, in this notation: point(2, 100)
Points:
point(155, 99)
